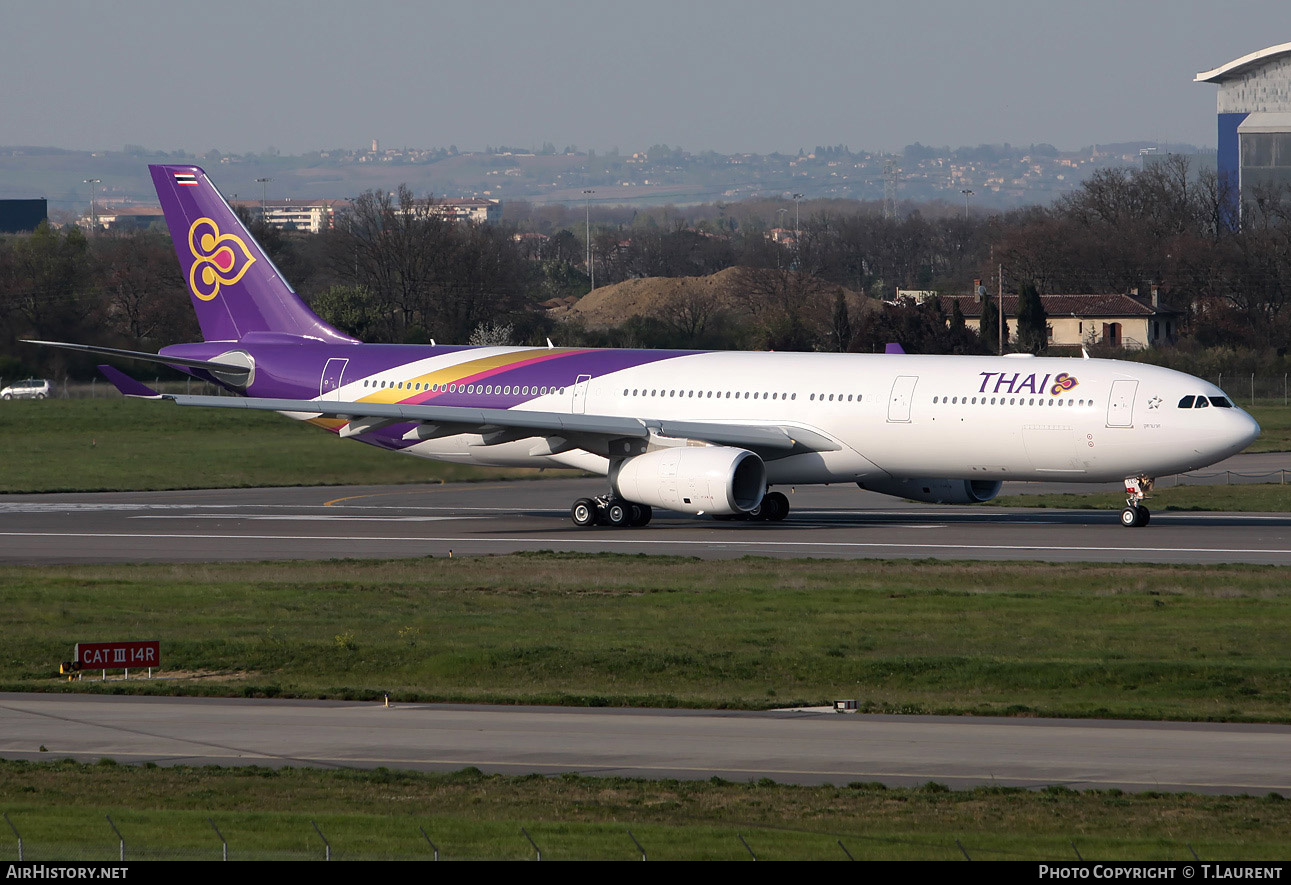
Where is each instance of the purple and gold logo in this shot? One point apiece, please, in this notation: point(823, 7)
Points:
point(1063, 382)
point(221, 259)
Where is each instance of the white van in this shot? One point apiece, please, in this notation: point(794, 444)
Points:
point(32, 388)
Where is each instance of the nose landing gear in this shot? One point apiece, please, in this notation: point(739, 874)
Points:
point(1136, 491)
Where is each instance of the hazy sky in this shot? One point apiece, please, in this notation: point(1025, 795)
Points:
point(753, 76)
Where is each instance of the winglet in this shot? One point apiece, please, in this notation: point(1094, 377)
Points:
point(128, 385)
point(893, 347)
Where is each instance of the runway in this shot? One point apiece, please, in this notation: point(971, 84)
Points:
point(488, 518)
point(789, 747)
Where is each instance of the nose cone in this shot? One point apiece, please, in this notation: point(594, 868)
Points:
point(1246, 431)
point(1237, 431)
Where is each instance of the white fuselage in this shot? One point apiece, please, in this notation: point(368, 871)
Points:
point(956, 417)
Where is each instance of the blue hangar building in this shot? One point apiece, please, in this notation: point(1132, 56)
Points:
point(1254, 121)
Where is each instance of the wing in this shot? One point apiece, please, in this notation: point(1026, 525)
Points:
point(607, 435)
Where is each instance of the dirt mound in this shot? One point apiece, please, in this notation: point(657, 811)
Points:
point(612, 305)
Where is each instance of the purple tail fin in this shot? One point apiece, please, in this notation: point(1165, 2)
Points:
point(234, 287)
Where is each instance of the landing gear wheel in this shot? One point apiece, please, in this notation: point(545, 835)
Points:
point(584, 512)
point(641, 514)
point(617, 514)
point(775, 507)
point(1134, 516)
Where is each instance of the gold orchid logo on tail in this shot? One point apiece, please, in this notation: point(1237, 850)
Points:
point(221, 259)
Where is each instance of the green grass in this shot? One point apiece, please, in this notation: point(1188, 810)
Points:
point(1275, 426)
point(113, 444)
point(1196, 643)
point(1246, 497)
point(59, 807)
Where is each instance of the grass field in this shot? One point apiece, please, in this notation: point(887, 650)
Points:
point(59, 808)
point(132, 445)
point(1197, 643)
point(1245, 498)
point(1275, 427)
point(116, 444)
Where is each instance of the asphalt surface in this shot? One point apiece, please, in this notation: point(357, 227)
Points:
point(405, 521)
point(804, 747)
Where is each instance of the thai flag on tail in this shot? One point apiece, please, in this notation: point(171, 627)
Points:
point(188, 179)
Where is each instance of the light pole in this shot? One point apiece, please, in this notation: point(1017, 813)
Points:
point(967, 192)
point(264, 182)
point(587, 222)
point(796, 198)
point(94, 221)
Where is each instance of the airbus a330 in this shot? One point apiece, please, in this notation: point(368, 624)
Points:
point(693, 432)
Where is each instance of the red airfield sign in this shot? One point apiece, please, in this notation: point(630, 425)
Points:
point(117, 655)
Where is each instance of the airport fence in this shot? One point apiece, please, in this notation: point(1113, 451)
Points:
point(112, 846)
point(1251, 389)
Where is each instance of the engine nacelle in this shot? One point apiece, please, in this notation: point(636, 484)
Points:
point(718, 480)
point(935, 490)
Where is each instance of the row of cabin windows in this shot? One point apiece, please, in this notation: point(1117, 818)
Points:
point(527, 390)
point(1009, 401)
point(709, 394)
point(503, 389)
point(1199, 402)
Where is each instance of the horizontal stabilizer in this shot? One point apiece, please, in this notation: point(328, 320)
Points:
point(128, 385)
point(228, 371)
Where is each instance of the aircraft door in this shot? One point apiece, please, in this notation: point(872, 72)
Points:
point(1120, 405)
point(331, 379)
point(902, 396)
point(580, 394)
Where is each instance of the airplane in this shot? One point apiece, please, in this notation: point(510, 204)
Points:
point(692, 432)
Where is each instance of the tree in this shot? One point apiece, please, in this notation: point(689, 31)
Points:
point(842, 326)
point(790, 310)
point(989, 326)
point(350, 309)
point(145, 299)
point(1033, 322)
point(44, 283)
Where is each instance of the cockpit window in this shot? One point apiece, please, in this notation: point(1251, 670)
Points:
point(1201, 402)
point(1221, 401)
point(1186, 402)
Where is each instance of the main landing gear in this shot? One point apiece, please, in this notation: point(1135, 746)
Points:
point(1136, 490)
point(609, 510)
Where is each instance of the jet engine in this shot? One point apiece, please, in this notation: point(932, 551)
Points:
point(718, 480)
point(935, 490)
